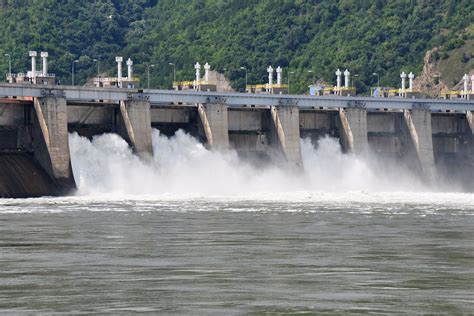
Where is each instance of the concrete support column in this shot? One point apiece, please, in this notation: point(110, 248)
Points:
point(137, 125)
point(419, 124)
point(470, 120)
point(354, 130)
point(214, 121)
point(51, 144)
point(286, 132)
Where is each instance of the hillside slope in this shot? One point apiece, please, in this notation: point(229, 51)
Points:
point(366, 36)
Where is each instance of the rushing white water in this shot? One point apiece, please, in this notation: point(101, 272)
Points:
point(183, 166)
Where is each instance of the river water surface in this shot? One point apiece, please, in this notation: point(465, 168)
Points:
point(248, 245)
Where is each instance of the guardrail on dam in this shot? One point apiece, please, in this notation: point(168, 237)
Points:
point(35, 121)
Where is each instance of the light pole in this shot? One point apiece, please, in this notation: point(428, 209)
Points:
point(311, 72)
point(148, 74)
point(174, 72)
point(378, 78)
point(246, 77)
point(98, 67)
point(72, 72)
point(438, 84)
point(289, 75)
point(353, 80)
point(9, 64)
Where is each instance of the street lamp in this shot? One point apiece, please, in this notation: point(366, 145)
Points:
point(289, 75)
point(72, 72)
point(438, 84)
point(246, 77)
point(311, 72)
point(174, 71)
point(378, 78)
point(353, 80)
point(9, 64)
point(98, 67)
point(148, 74)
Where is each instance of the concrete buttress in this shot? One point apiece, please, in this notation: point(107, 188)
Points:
point(136, 118)
point(470, 120)
point(354, 130)
point(419, 124)
point(51, 144)
point(286, 132)
point(215, 124)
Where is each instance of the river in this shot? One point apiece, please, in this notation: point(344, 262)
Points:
point(195, 232)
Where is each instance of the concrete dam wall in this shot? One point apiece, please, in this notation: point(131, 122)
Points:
point(35, 158)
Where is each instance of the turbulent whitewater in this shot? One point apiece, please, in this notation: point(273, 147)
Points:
point(182, 165)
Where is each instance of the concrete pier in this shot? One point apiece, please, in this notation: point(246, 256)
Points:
point(50, 140)
point(214, 120)
point(285, 132)
point(470, 120)
point(354, 130)
point(418, 122)
point(136, 119)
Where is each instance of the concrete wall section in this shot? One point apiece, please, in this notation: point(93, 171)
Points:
point(354, 130)
point(384, 133)
point(418, 122)
point(136, 119)
point(285, 132)
point(90, 115)
point(214, 120)
point(171, 116)
point(51, 146)
point(245, 120)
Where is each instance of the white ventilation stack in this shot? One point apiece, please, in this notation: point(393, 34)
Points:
point(279, 71)
point(347, 78)
point(33, 55)
point(207, 68)
point(339, 79)
point(465, 78)
point(270, 76)
point(411, 76)
point(130, 69)
point(44, 56)
point(403, 75)
point(197, 66)
point(119, 61)
point(472, 84)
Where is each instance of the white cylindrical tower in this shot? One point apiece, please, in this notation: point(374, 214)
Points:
point(33, 55)
point(44, 56)
point(403, 75)
point(130, 69)
point(119, 61)
point(207, 68)
point(198, 72)
point(347, 78)
point(411, 76)
point(279, 71)
point(465, 78)
point(338, 80)
point(472, 84)
point(270, 76)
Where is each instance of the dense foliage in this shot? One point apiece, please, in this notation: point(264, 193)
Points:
point(366, 36)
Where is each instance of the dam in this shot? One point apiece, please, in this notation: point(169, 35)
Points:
point(432, 138)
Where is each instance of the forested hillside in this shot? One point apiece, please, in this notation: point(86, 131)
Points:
point(366, 36)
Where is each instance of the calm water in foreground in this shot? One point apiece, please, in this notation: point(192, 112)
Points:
point(371, 253)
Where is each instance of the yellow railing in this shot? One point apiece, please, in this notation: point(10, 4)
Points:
point(266, 86)
point(191, 83)
point(115, 79)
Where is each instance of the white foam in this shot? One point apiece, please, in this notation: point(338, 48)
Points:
point(183, 169)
